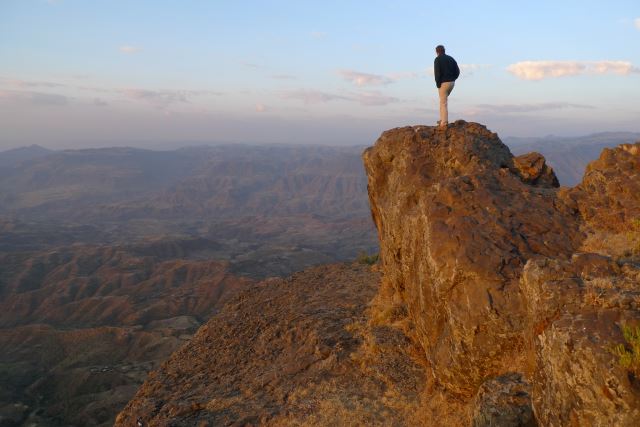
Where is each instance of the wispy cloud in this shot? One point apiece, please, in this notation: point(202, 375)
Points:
point(283, 77)
point(401, 75)
point(261, 108)
point(129, 49)
point(309, 96)
point(364, 79)
point(156, 97)
point(250, 64)
point(636, 22)
point(98, 102)
point(373, 98)
point(469, 69)
point(33, 98)
point(367, 98)
point(164, 98)
point(318, 34)
point(17, 83)
point(523, 108)
point(538, 70)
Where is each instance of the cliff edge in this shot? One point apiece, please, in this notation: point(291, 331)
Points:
point(516, 287)
point(504, 300)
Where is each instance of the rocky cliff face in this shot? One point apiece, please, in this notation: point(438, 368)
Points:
point(491, 259)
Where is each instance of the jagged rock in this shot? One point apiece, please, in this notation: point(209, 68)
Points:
point(458, 219)
point(608, 194)
point(534, 170)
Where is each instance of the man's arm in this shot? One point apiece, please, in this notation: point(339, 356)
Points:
point(436, 72)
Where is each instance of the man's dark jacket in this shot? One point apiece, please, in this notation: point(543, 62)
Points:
point(445, 69)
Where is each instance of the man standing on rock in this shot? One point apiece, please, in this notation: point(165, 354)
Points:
point(446, 71)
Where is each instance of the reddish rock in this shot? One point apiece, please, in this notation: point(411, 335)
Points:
point(458, 219)
point(534, 170)
point(289, 352)
point(457, 222)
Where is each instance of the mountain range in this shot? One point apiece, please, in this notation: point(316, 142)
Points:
point(111, 259)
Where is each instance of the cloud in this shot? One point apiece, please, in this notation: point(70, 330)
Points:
point(33, 98)
point(250, 64)
point(523, 108)
point(98, 102)
point(27, 84)
point(373, 98)
point(283, 77)
point(636, 22)
point(311, 96)
point(469, 69)
point(160, 98)
point(261, 108)
point(129, 49)
point(164, 98)
point(367, 98)
point(318, 34)
point(538, 70)
point(400, 75)
point(364, 79)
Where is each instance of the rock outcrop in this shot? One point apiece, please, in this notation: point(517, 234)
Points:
point(505, 300)
point(488, 255)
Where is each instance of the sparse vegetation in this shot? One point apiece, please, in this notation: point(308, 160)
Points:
point(364, 258)
point(629, 352)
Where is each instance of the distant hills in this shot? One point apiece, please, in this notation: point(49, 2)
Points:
point(111, 258)
point(289, 198)
point(15, 156)
point(224, 181)
point(569, 156)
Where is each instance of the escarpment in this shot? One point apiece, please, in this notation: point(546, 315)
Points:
point(493, 262)
point(500, 299)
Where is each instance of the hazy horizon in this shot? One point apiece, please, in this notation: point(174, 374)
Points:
point(171, 145)
point(76, 74)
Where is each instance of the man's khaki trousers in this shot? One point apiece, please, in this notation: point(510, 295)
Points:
point(444, 91)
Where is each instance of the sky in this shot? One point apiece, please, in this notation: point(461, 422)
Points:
point(166, 73)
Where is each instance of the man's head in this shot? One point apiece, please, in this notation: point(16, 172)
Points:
point(439, 49)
